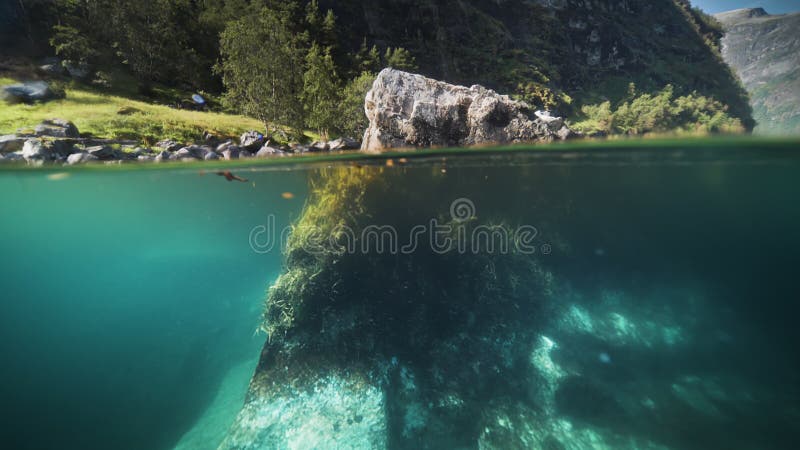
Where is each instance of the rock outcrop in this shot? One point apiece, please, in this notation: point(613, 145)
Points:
point(407, 110)
point(764, 51)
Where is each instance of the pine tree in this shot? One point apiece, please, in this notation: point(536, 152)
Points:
point(366, 59)
point(400, 59)
point(321, 91)
point(262, 68)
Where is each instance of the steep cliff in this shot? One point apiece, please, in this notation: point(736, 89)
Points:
point(765, 52)
point(562, 52)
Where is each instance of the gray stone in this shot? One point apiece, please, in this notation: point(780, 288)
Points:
point(407, 110)
point(80, 158)
point(169, 145)
point(184, 153)
point(268, 151)
point(63, 147)
point(230, 153)
point(554, 123)
point(344, 144)
point(224, 146)
point(252, 140)
point(34, 149)
point(27, 92)
point(319, 146)
point(566, 133)
point(211, 156)
point(13, 157)
point(11, 143)
point(245, 154)
point(101, 151)
point(145, 158)
point(300, 148)
point(210, 137)
point(164, 156)
point(57, 128)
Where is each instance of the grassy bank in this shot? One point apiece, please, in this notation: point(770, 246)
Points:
point(109, 116)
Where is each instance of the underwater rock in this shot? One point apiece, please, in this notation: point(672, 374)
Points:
point(407, 110)
point(429, 349)
point(337, 410)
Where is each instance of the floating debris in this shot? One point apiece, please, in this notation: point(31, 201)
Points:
point(287, 195)
point(58, 176)
point(231, 177)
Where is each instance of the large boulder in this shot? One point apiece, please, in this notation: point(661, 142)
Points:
point(407, 110)
point(27, 92)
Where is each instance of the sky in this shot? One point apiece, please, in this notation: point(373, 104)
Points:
point(772, 6)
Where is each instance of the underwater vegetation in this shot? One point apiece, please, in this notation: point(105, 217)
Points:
point(566, 347)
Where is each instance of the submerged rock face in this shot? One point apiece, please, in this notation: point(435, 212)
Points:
point(407, 110)
point(764, 51)
point(433, 349)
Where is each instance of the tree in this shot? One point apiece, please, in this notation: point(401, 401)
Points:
point(352, 118)
point(366, 59)
point(262, 68)
point(321, 91)
point(400, 59)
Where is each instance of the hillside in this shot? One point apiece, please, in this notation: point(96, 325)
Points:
point(765, 52)
point(590, 50)
point(651, 59)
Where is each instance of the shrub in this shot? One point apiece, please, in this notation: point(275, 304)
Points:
point(353, 119)
point(659, 113)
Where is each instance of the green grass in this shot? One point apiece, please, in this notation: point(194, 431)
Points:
point(96, 114)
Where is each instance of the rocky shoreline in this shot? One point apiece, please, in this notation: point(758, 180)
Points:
point(404, 110)
point(58, 141)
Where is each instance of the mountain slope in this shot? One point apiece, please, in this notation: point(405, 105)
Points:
point(588, 49)
point(765, 52)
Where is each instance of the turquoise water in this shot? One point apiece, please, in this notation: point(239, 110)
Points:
point(131, 299)
point(126, 300)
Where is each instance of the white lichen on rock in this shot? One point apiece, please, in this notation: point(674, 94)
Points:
point(408, 110)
